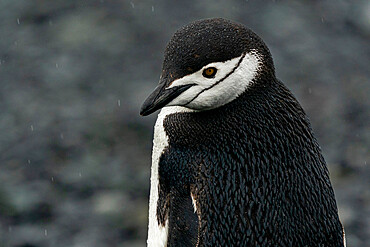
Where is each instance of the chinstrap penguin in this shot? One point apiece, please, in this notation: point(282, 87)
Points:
point(234, 162)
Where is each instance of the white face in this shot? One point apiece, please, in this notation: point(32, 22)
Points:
point(231, 79)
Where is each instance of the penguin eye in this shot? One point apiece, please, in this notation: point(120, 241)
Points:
point(209, 72)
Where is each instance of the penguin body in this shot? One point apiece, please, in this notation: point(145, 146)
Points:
point(235, 162)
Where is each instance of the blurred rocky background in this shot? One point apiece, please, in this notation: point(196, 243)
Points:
point(74, 152)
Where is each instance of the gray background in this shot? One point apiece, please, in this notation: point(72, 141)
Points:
point(74, 152)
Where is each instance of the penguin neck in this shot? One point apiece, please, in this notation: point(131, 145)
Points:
point(185, 128)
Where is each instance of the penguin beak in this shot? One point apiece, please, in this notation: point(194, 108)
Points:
point(161, 96)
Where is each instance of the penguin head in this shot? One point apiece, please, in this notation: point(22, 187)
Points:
point(207, 64)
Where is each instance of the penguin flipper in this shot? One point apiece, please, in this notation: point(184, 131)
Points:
point(183, 221)
point(174, 181)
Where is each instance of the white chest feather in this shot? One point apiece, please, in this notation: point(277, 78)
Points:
point(158, 234)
